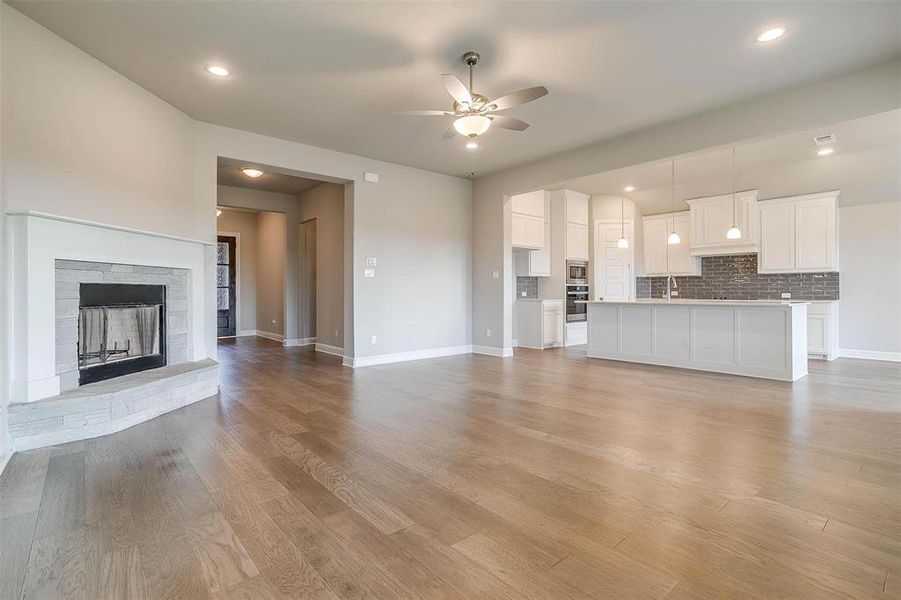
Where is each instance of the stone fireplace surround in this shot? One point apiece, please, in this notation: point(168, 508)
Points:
point(49, 257)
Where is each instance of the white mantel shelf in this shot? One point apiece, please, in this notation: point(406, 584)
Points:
point(755, 338)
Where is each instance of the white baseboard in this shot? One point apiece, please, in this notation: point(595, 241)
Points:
point(870, 354)
point(299, 342)
point(492, 351)
point(270, 336)
point(326, 349)
point(383, 359)
point(246, 333)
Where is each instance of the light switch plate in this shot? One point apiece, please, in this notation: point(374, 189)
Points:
point(369, 273)
point(371, 177)
point(495, 274)
point(374, 340)
point(371, 261)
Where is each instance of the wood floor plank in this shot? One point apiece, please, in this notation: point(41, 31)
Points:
point(547, 475)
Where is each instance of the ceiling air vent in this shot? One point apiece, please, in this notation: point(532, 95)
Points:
point(824, 140)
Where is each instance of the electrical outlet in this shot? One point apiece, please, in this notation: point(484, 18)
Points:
point(495, 274)
point(523, 294)
point(675, 293)
point(274, 321)
point(369, 273)
point(373, 340)
point(488, 332)
point(336, 333)
point(786, 295)
point(371, 261)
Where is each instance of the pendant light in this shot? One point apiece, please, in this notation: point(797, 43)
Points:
point(623, 242)
point(734, 232)
point(674, 238)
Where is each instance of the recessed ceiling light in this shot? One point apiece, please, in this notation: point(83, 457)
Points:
point(217, 70)
point(825, 151)
point(472, 145)
point(770, 35)
point(252, 172)
point(629, 188)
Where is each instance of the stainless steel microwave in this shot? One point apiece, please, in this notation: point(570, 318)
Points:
point(576, 271)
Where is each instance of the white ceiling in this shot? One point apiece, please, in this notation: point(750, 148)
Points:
point(330, 74)
point(228, 172)
point(866, 166)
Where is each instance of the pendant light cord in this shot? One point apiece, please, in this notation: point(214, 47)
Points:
point(622, 214)
point(674, 195)
point(733, 187)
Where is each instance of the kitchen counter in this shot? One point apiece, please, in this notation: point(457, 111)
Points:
point(757, 338)
point(700, 301)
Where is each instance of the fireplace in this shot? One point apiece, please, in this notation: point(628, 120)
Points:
point(121, 329)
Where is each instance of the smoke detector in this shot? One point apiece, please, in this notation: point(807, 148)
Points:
point(824, 140)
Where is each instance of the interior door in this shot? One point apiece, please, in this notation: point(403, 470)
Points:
point(226, 265)
point(613, 274)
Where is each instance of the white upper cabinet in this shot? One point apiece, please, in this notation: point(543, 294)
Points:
point(712, 217)
point(799, 234)
point(576, 225)
point(661, 258)
point(527, 220)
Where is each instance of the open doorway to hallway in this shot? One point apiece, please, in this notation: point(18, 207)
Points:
point(289, 235)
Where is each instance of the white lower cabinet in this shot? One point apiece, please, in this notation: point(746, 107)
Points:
point(576, 333)
point(539, 323)
point(822, 330)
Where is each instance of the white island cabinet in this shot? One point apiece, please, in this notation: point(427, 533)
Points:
point(765, 339)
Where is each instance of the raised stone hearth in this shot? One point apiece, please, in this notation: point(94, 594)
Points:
point(111, 405)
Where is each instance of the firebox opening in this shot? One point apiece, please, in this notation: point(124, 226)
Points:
point(121, 329)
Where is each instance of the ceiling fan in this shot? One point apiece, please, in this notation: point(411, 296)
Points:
point(474, 113)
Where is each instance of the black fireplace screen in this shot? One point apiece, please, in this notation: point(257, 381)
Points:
point(121, 330)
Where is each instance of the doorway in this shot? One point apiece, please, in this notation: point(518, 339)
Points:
point(226, 282)
point(614, 273)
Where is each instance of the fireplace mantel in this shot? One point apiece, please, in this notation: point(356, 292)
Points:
point(36, 241)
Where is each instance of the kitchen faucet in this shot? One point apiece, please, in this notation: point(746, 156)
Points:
point(669, 294)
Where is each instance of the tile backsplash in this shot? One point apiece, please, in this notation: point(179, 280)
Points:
point(529, 285)
point(736, 278)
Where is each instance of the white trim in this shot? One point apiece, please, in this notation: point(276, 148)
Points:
point(52, 217)
point(299, 342)
point(629, 225)
point(4, 460)
point(492, 351)
point(270, 336)
point(246, 333)
point(237, 237)
point(382, 359)
point(333, 350)
point(870, 354)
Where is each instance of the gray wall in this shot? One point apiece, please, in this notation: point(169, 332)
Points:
point(864, 92)
point(325, 204)
point(271, 254)
point(870, 263)
point(245, 224)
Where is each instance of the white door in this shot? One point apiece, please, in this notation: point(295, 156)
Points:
point(613, 266)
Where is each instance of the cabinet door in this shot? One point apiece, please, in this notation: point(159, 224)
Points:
point(777, 238)
point(540, 260)
point(576, 241)
point(531, 203)
point(576, 208)
point(817, 334)
point(534, 232)
point(654, 246)
point(680, 259)
point(717, 219)
point(552, 326)
point(815, 238)
point(518, 230)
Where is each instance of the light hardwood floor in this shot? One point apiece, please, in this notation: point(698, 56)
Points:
point(542, 476)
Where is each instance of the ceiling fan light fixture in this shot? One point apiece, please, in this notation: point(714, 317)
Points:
point(472, 125)
point(472, 145)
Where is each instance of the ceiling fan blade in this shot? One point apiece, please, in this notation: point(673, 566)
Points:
point(425, 113)
point(519, 97)
point(509, 122)
point(450, 133)
point(456, 89)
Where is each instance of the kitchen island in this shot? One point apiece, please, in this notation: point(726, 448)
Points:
point(757, 338)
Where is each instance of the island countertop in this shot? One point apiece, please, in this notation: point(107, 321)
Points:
point(697, 302)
